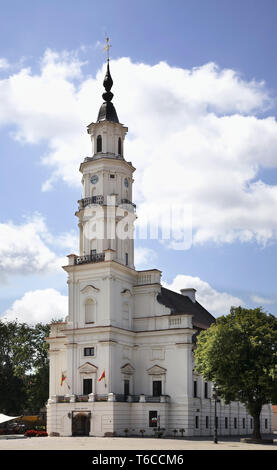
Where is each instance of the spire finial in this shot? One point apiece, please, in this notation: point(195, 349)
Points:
point(108, 82)
point(107, 48)
point(107, 111)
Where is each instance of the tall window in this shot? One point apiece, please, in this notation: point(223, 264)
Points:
point(207, 422)
point(119, 146)
point(226, 423)
point(126, 259)
point(196, 422)
point(89, 311)
point(235, 423)
point(157, 388)
point(153, 419)
point(206, 390)
point(126, 387)
point(195, 388)
point(87, 386)
point(99, 143)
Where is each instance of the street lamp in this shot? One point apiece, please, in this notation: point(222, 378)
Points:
point(215, 413)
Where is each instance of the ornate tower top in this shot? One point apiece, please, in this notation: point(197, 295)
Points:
point(107, 110)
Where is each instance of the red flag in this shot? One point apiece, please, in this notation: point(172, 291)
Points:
point(102, 376)
point(63, 378)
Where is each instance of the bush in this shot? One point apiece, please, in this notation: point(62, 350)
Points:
point(34, 433)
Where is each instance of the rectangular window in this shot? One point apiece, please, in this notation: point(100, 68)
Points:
point(207, 422)
point(195, 388)
point(88, 351)
point(196, 422)
point(87, 386)
point(126, 259)
point(126, 387)
point(251, 423)
point(265, 423)
point(112, 176)
point(157, 388)
point(206, 390)
point(235, 423)
point(243, 423)
point(226, 423)
point(153, 419)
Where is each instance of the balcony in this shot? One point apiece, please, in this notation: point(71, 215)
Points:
point(92, 258)
point(90, 200)
point(128, 203)
point(94, 397)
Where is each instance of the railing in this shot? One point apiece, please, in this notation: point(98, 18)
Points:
point(126, 201)
point(92, 258)
point(110, 397)
point(90, 200)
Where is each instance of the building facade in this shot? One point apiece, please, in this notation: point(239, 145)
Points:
point(122, 362)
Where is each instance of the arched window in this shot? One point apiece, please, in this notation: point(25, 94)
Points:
point(119, 146)
point(89, 311)
point(99, 143)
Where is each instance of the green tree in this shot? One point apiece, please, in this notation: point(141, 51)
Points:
point(24, 367)
point(239, 354)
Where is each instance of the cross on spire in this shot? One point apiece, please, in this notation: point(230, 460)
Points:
point(107, 48)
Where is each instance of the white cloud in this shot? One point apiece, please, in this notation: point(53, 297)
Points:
point(262, 300)
point(4, 64)
point(29, 247)
point(38, 306)
point(195, 136)
point(144, 257)
point(217, 303)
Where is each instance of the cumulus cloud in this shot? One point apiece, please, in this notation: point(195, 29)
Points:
point(144, 256)
point(38, 306)
point(257, 299)
point(30, 248)
point(217, 303)
point(196, 137)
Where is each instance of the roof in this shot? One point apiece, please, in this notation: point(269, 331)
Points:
point(182, 305)
point(107, 112)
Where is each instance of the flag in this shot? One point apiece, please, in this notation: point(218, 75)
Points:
point(63, 377)
point(102, 376)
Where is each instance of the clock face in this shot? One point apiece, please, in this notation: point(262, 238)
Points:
point(94, 179)
point(126, 182)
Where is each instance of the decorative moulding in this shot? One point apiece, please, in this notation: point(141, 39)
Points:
point(88, 368)
point(127, 369)
point(89, 288)
point(156, 370)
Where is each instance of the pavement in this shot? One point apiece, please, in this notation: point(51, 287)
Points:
point(129, 443)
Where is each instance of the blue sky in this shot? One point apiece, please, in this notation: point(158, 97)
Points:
point(239, 36)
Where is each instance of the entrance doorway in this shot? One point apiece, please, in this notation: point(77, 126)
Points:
point(81, 423)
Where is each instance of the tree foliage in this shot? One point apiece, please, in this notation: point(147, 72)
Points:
point(239, 354)
point(24, 367)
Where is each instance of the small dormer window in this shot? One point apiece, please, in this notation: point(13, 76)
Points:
point(99, 143)
point(119, 146)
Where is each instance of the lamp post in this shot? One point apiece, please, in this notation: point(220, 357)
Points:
point(215, 414)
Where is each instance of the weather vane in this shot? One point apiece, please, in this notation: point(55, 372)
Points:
point(107, 48)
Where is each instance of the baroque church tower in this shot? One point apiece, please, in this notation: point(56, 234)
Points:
point(123, 357)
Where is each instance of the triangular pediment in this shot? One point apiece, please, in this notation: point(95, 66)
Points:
point(156, 370)
point(127, 369)
point(88, 368)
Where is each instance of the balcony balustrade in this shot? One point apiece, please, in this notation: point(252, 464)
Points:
point(92, 258)
point(110, 397)
point(90, 200)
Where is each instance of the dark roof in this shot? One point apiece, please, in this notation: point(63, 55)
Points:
point(182, 305)
point(107, 112)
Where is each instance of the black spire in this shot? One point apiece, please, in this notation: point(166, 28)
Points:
point(107, 111)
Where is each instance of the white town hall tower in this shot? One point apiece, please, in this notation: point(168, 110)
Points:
point(122, 362)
